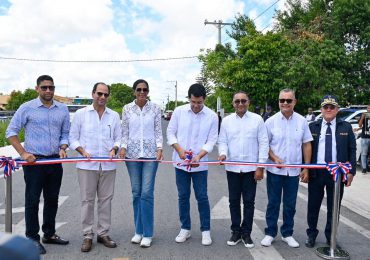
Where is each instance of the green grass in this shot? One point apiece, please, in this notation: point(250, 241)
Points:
point(3, 140)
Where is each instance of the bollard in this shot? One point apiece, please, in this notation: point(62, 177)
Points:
point(8, 204)
point(333, 252)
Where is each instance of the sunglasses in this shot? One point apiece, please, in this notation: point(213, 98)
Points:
point(101, 94)
point(283, 100)
point(44, 88)
point(242, 101)
point(326, 107)
point(142, 90)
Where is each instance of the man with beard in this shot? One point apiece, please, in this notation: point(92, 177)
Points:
point(46, 125)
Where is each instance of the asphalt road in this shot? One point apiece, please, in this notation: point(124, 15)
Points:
point(353, 234)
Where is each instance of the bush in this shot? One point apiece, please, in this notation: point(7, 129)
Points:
point(3, 140)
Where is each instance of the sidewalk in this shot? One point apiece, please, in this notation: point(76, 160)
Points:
point(357, 196)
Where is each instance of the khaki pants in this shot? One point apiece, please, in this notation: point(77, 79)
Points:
point(92, 183)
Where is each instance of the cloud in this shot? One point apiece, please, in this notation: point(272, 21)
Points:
point(110, 30)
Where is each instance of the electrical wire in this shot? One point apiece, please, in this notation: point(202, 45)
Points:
point(97, 61)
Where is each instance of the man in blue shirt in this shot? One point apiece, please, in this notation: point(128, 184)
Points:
point(46, 125)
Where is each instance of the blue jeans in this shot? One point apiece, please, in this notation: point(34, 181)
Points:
point(183, 182)
point(142, 177)
point(365, 144)
point(287, 186)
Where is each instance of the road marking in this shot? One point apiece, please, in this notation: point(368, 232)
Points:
point(20, 227)
point(221, 211)
point(349, 202)
point(344, 220)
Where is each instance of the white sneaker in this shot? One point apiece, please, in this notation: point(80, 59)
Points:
point(291, 241)
point(136, 239)
point(183, 236)
point(267, 240)
point(206, 238)
point(146, 242)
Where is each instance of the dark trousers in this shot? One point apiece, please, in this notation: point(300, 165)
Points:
point(319, 181)
point(46, 179)
point(241, 185)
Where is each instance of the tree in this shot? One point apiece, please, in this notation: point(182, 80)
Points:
point(120, 95)
point(317, 48)
point(17, 98)
point(171, 104)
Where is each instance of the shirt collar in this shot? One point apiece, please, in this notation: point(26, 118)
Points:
point(283, 117)
point(333, 122)
point(244, 116)
point(40, 104)
point(91, 108)
point(189, 109)
point(146, 104)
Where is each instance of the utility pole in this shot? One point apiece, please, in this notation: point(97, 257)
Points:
point(219, 25)
point(174, 81)
point(168, 101)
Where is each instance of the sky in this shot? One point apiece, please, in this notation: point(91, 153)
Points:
point(114, 30)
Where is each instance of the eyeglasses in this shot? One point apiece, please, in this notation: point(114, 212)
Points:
point(142, 90)
point(326, 107)
point(44, 88)
point(238, 101)
point(283, 100)
point(101, 94)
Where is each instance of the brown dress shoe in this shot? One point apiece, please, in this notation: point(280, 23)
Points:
point(107, 241)
point(86, 245)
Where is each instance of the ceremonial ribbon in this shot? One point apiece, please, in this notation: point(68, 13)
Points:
point(9, 165)
point(336, 169)
point(14, 163)
point(187, 161)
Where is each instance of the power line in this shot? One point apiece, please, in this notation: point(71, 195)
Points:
point(97, 61)
point(266, 10)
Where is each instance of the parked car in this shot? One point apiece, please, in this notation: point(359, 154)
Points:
point(167, 114)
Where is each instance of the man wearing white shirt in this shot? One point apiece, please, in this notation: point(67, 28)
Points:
point(96, 132)
point(289, 136)
point(243, 137)
point(193, 127)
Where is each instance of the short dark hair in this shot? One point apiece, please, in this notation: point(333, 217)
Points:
point(96, 85)
point(197, 90)
point(42, 78)
point(240, 92)
point(137, 82)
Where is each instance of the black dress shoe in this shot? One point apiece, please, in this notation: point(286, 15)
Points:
point(55, 239)
point(310, 242)
point(41, 248)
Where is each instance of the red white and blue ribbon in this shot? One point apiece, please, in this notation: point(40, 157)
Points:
point(14, 163)
point(339, 168)
point(9, 165)
point(187, 161)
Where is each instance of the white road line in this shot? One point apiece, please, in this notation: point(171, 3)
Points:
point(344, 220)
point(221, 211)
point(20, 227)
